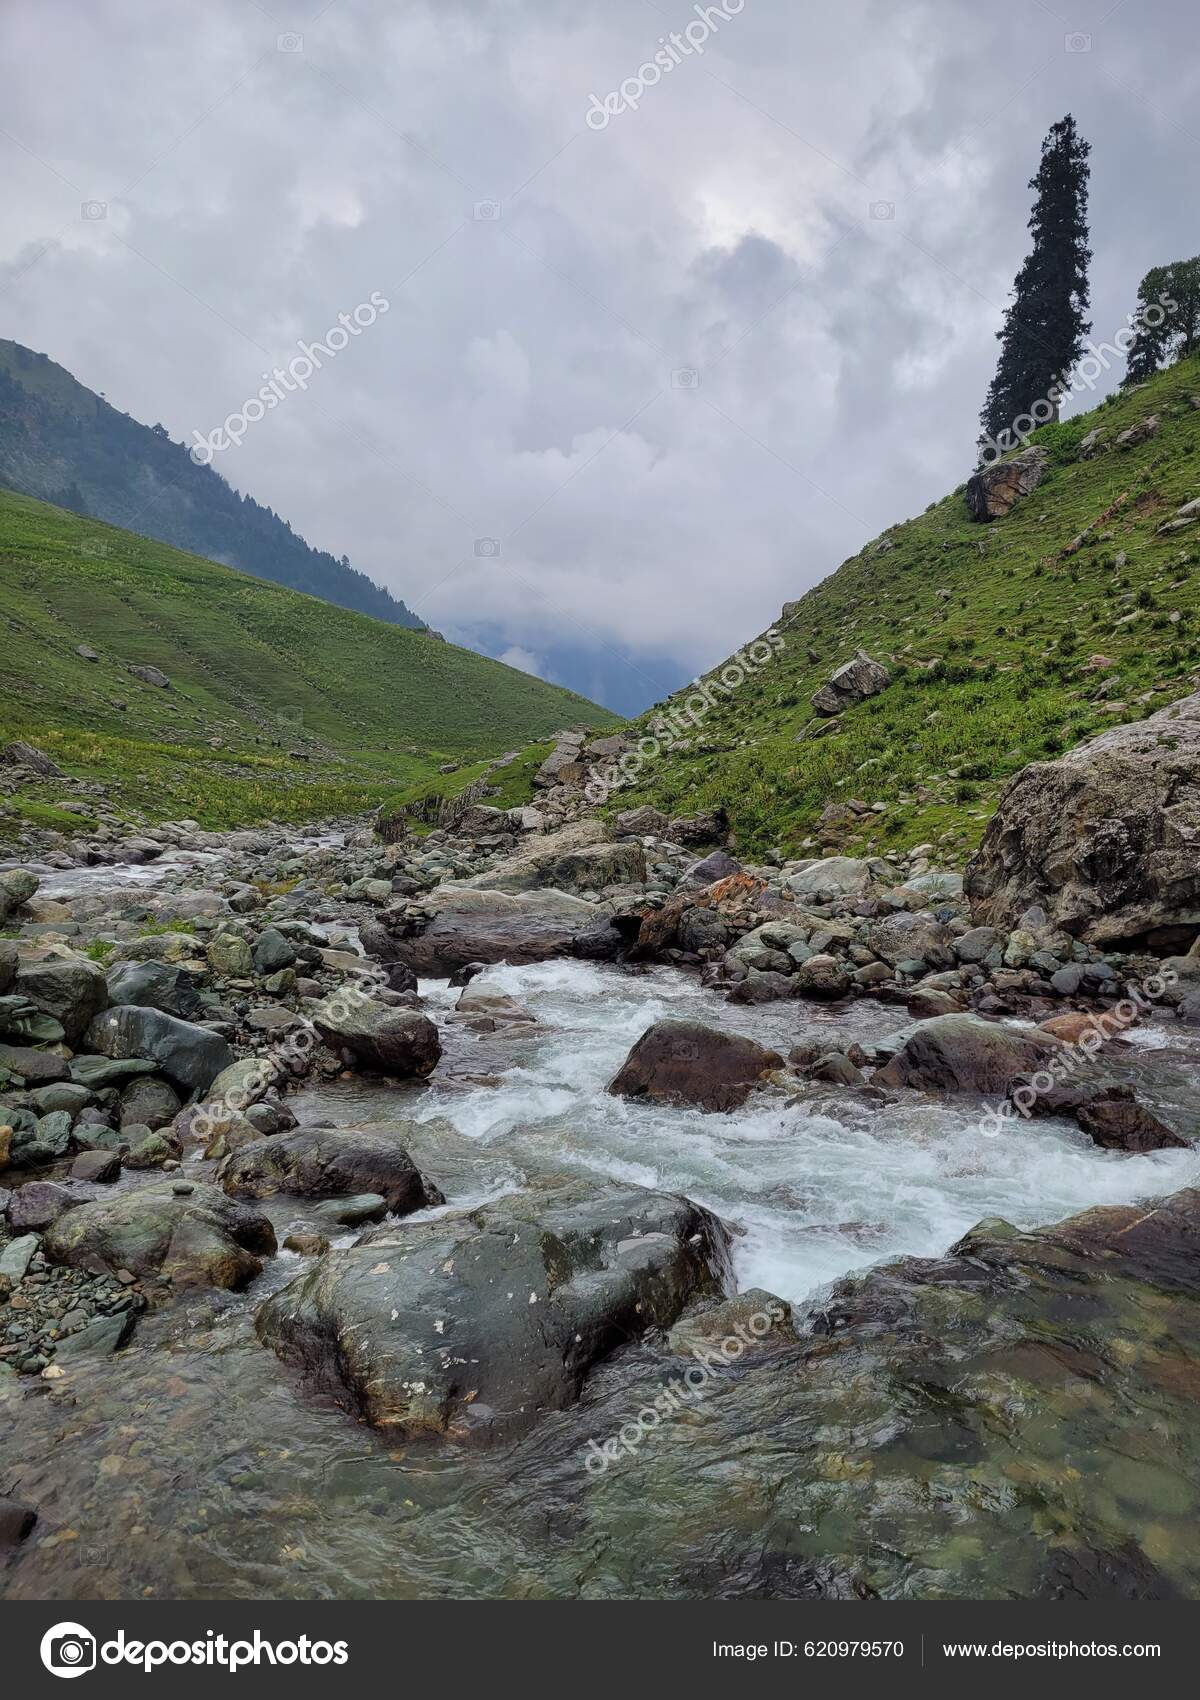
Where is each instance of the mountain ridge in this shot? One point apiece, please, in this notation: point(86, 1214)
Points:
point(63, 443)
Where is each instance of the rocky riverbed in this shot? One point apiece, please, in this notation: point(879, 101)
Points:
point(586, 1212)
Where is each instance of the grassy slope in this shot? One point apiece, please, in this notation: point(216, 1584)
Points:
point(263, 669)
point(1012, 637)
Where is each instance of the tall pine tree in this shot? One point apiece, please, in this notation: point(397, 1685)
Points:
point(1044, 328)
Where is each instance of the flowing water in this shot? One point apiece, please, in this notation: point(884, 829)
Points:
point(195, 1466)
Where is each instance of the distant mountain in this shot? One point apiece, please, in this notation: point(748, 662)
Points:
point(61, 442)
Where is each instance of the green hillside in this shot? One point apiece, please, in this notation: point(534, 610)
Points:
point(279, 704)
point(987, 629)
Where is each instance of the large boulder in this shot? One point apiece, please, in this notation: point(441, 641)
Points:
point(17, 886)
point(994, 490)
point(851, 683)
point(71, 990)
point(965, 1053)
point(911, 938)
point(193, 1237)
point(474, 1323)
point(191, 1057)
point(155, 985)
point(393, 1041)
point(1106, 840)
point(684, 1062)
point(829, 878)
point(325, 1162)
point(494, 926)
point(579, 857)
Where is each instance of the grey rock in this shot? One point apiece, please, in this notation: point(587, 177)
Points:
point(191, 1057)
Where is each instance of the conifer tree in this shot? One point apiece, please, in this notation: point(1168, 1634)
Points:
point(1045, 325)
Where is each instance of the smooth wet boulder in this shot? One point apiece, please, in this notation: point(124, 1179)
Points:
point(326, 1162)
point(200, 1237)
point(155, 985)
point(1106, 840)
point(70, 990)
point(191, 1057)
point(473, 1324)
point(495, 926)
point(149, 1102)
point(35, 1205)
point(391, 1041)
point(965, 1053)
point(684, 1062)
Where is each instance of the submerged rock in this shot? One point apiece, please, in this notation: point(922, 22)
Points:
point(200, 1238)
point(474, 1324)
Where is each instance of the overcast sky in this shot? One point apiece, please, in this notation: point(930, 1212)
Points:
point(818, 214)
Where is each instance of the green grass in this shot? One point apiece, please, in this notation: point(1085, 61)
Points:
point(1009, 642)
point(509, 785)
point(281, 705)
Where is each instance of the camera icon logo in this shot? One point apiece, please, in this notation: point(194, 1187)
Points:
point(487, 547)
point(289, 42)
point(1076, 43)
point(93, 209)
point(883, 209)
point(486, 211)
point(68, 1650)
point(685, 378)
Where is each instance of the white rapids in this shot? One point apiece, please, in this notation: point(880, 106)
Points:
point(812, 1192)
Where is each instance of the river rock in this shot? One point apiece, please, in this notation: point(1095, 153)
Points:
point(323, 1162)
point(965, 1053)
point(35, 1205)
point(1115, 1121)
point(473, 1324)
point(149, 1101)
point(33, 1066)
point(1106, 840)
point(71, 990)
point(17, 886)
point(155, 985)
point(202, 1238)
point(191, 1057)
point(496, 926)
point(684, 1062)
point(575, 858)
point(391, 1041)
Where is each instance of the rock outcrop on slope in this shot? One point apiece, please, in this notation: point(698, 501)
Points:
point(994, 490)
point(1105, 840)
point(852, 683)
